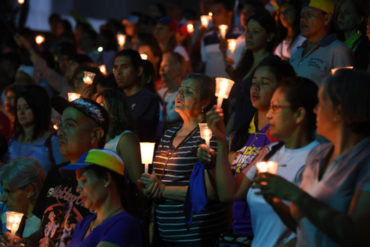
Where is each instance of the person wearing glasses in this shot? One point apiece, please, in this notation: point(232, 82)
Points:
point(291, 120)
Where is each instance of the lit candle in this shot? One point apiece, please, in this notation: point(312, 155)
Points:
point(204, 19)
point(205, 133)
point(55, 126)
point(147, 151)
point(190, 28)
point(267, 166)
point(39, 39)
point(338, 68)
point(210, 14)
point(21, 2)
point(231, 43)
point(223, 88)
point(73, 96)
point(13, 219)
point(88, 77)
point(121, 38)
point(223, 29)
point(144, 56)
point(103, 69)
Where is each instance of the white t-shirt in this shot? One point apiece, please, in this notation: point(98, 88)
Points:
point(267, 227)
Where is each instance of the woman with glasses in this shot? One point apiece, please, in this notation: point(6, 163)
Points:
point(292, 121)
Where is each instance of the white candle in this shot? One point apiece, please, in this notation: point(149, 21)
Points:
point(190, 28)
point(223, 88)
point(39, 39)
point(223, 30)
point(55, 126)
point(13, 219)
point(73, 96)
point(100, 49)
point(21, 2)
point(338, 68)
point(103, 69)
point(144, 56)
point(147, 151)
point(121, 40)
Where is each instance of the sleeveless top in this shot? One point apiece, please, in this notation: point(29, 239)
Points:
point(113, 143)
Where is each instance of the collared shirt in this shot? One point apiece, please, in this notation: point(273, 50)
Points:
point(317, 63)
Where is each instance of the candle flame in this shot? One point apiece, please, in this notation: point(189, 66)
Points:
point(190, 28)
point(144, 56)
point(21, 2)
point(223, 29)
point(103, 69)
point(39, 39)
point(73, 96)
point(204, 19)
point(232, 45)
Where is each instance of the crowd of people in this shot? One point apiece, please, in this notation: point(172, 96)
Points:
point(76, 106)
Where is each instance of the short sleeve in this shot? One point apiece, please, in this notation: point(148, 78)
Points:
point(363, 179)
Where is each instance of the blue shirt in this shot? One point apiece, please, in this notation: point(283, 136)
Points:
point(121, 229)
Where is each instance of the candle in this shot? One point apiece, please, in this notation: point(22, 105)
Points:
point(39, 39)
point(100, 49)
point(223, 29)
point(338, 68)
point(205, 133)
point(190, 28)
point(210, 14)
point(103, 69)
point(121, 38)
point(21, 2)
point(55, 126)
point(144, 56)
point(204, 19)
point(231, 43)
point(147, 151)
point(13, 219)
point(267, 166)
point(223, 88)
point(73, 96)
point(88, 77)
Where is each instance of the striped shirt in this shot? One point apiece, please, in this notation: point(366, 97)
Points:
point(174, 166)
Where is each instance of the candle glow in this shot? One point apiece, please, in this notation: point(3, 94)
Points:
point(231, 43)
point(73, 96)
point(205, 133)
point(223, 29)
point(267, 166)
point(103, 69)
point(39, 39)
point(121, 38)
point(21, 2)
point(338, 68)
point(147, 151)
point(190, 28)
point(204, 19)
point(13, 220)
point(144, 56)
point(88, 77)
point(223, 88)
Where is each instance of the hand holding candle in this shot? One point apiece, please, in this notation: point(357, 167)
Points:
point(205, 133)
point(223, 88)
point(147, 151)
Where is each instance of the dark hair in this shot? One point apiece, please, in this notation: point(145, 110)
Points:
point(302, 92)
point(281, 31)
point(207, 87)
point(133, 55)
point(362, 10)
point(38, 100)
point(149, 40)
point(282, 70)
point(351, 90)
point(119, 111)
point(227, 4)
point(263, 17)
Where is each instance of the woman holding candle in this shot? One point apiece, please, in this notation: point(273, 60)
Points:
point(21, 181)
point(330, 207)
point(292, 121)
point(100, 176)
point(175, 159)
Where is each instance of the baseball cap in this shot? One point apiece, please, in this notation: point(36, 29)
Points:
point(324, 5)
point(170, 22)
point(99, 157)
point(88, 107)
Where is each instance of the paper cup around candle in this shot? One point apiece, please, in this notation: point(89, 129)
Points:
point(204, 19)
point(190, 28)
point(13, 220)
point(144, 56)
point(231, 43)
point(223, 29)
point(147, 151)
point(223, 88)
point(338, 68)
point(73, 96)
point(39, 39)
point(205, 133)
point(103, 69)
point(88, 77)
point(121, 38)
point(267, 166)
point(21, 2)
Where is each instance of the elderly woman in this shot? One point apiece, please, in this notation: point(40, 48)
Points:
point(100, 176)
point(174, 161)
point(21, 181)
point(331, 206)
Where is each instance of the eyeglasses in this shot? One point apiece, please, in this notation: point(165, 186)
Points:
point(276, 108)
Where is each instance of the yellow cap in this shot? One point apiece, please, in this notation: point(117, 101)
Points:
point(324, 5)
